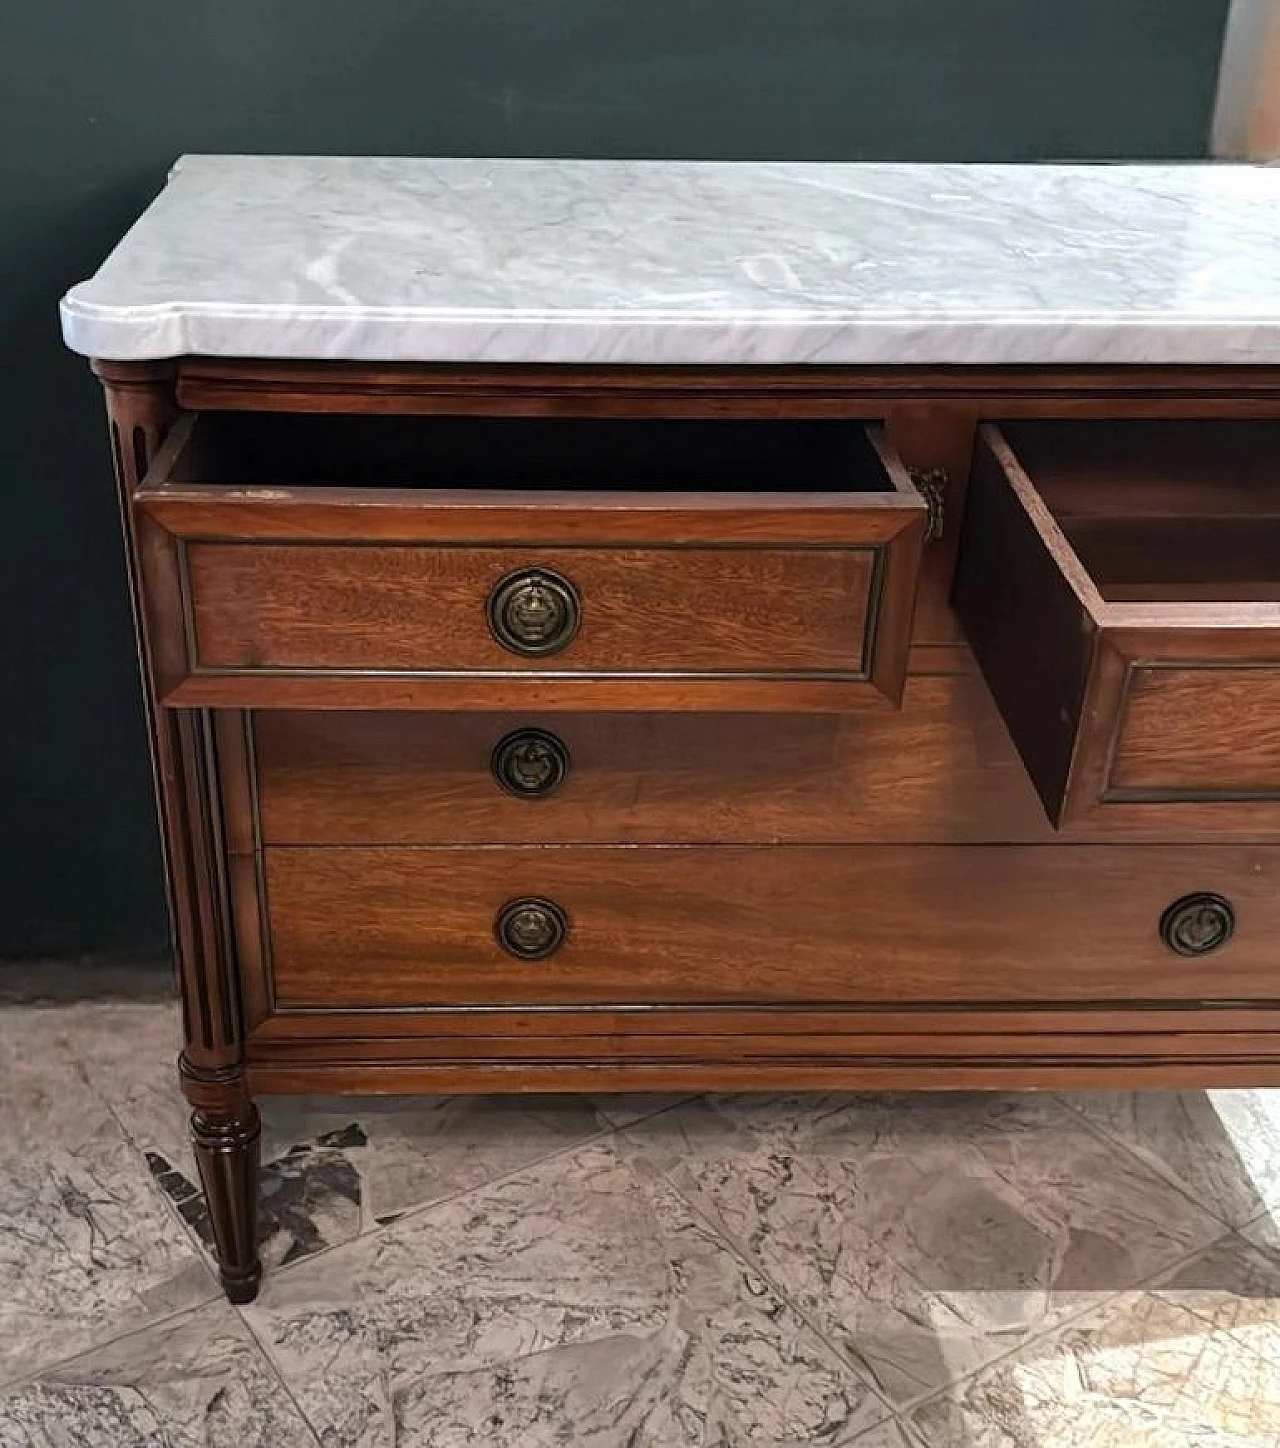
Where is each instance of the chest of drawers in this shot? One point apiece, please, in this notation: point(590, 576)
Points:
point(527, 721)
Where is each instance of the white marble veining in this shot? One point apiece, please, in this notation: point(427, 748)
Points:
point(693, 262)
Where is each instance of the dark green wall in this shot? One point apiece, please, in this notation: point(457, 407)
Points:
point(96, 99)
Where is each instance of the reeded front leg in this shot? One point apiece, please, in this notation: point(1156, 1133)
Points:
point(226, 1133)
point(225, 1130)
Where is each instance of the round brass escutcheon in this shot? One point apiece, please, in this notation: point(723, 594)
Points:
point(529, 763)
point(534, 612)
point(531, 928)
point(1198, 924)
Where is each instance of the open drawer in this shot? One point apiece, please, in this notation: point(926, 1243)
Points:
point(1120, 585)
point(319, 561)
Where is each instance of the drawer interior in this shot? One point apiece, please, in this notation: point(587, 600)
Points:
point(1120, 584)
point(1169, 511)
point(644, 454)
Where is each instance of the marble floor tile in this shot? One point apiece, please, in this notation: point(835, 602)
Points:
point(129, 1053)
point(1220, 1147)
point(87, 1248)
point(889, 1434)
point(336, 1168)
point(579, 1302)
point(1139, 1372)
point(198, 1381)
point(976, 1258)
point(333, 1167)
point(1235, 1285)
point(924, 1235)
point(621, 1108)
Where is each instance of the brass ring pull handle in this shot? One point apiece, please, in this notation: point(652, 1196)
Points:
point(534, 612)
point(529, 763)
point(530, 928)
point(1198, 924)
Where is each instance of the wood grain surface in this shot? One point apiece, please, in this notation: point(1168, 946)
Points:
point(418, 609)
point(1127, 617)
point(1210, 732)
point(942, 769)
point(731, 924)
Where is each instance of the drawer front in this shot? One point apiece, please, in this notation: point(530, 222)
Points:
point(1131, 643)
point(407, 609)
point(373, 597)
point(941, 769)
point(1198, 732)
point(400, 928)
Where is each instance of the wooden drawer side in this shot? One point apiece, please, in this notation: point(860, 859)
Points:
point(1030, 632)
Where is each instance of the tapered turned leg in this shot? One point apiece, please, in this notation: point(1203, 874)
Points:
point(142, 407)
point(226, 1134)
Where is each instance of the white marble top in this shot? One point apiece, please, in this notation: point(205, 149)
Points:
point(692, 262)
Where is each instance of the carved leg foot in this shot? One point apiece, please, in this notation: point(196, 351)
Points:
point(226, 1133)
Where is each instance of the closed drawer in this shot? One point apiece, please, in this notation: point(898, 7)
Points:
point(311, 562)
point(380, 928)
point(1120, 585)
point(939, 769)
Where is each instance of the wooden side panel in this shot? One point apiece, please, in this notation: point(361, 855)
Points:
point(940, 770)
point(736, 925)
point(1199, 734)
point(141, 413)
point(1031, 634)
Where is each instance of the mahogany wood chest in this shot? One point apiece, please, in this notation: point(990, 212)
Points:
point(687, 724)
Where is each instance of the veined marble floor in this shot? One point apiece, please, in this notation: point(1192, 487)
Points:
point(1006, 1271)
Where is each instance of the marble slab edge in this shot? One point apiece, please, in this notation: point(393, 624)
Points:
point(474, 338)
